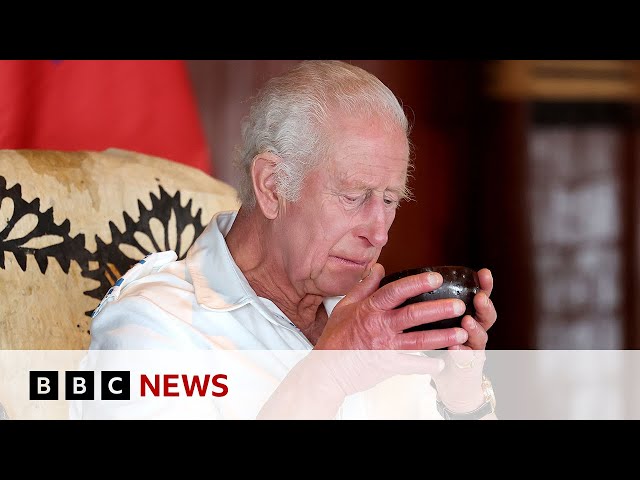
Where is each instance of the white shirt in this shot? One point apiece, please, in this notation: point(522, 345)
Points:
point(205, 302)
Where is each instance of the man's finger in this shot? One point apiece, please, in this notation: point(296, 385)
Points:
point(486, 314)
point(431, 339)
point(486, 280)
point(425, 312)
point(366, 286)
point(395, 293)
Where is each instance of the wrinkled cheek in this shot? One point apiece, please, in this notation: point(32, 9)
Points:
point(336, 223)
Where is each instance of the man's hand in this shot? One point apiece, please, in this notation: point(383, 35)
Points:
point(318, 384)
point(366, 318)
point(459, 384)
point(486, 315)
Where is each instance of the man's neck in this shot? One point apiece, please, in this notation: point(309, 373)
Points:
point(246, 241)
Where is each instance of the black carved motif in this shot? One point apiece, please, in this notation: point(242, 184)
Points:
point(64, 251)
point(112, 262)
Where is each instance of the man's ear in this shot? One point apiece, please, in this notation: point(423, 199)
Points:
point(264, 183)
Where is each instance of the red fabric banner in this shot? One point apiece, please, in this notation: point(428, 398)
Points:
point(147, 106)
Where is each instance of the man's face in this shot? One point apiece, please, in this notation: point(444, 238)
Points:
point(333, 235)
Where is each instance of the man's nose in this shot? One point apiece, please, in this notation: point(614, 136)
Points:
point(376, 223)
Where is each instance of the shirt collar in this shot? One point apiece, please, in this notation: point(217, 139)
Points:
point(217, 281)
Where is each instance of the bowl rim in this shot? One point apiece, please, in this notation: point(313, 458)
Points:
point(392, 277)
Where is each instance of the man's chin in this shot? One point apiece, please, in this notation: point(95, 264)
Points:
point(340, 286)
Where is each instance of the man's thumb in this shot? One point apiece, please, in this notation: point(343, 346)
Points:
point(366, 286)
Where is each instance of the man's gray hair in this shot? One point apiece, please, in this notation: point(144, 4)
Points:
point(291, 115)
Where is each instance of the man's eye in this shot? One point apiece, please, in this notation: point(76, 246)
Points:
point(391, 201)
point(352, 201)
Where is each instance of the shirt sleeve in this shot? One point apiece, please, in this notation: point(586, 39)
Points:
point(133, 336)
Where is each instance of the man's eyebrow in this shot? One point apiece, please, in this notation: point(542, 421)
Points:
point(403, 192)
point(344, 181)
point(353, 184)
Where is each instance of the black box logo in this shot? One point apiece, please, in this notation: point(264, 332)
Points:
point(43, 385)
point(115, 385)
point(78, 385)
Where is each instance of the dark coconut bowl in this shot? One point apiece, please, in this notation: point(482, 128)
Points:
point(458, 282)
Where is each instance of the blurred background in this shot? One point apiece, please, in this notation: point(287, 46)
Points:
point(526, 167)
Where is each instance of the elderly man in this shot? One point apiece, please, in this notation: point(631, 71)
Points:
point(324, 165)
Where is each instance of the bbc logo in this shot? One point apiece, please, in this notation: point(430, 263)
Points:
point(79, 385)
